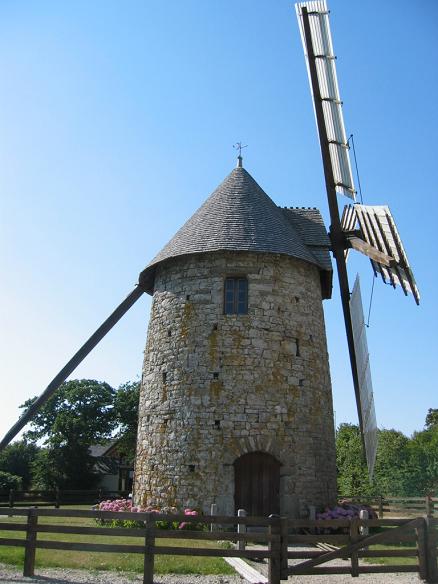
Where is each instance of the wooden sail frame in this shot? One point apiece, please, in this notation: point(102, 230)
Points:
point(377, 236)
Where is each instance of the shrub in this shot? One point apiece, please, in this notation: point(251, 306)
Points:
point(342, 511)
point(119, 505)
point(9, 481)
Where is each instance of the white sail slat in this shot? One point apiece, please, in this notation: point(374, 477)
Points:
point(329, 92)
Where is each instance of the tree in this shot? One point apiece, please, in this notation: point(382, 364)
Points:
point(9, 481)
point(431, 419)
point(17, 458)
point(423, 463)
point(126, 415)
point(78, 415)
point(391, 471)
point(352, 470)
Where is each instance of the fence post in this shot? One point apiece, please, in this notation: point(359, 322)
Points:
point(274, 566)
point(30, 547)
point(364, 529)
point(429, 506)
point(283, 543)
point(380, 507)
point(213, 512)
point(421, 535)
point(149, 551)
point(11, 497)
point(241, 528)
point(57, 498)
point(354, 537)
point(431, 549)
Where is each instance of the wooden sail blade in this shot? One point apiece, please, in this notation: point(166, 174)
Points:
point(322, 58)
point(378, 229)
point(366, 404)
point(79, 356)
point(337, 236)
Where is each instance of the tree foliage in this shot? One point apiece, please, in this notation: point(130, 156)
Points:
point(17, 459)
point(126, 415)
point(431, 419)
point(9, 481)
point(79, 414)
point(404, 466)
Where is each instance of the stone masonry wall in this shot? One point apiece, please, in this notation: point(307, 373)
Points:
point(216, 386)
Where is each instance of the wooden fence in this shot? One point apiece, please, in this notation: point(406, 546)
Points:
point(402, 506)
point(289, 546)
point(57, 497)
point(398, 505)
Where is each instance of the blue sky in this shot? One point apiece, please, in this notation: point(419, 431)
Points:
point(117, 120)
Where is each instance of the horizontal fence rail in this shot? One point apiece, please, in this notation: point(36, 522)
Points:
point(290, 547)
point(57, 497)
point(398, 505)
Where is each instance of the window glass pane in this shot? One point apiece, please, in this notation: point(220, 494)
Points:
point(229, 284)
point(236, 296)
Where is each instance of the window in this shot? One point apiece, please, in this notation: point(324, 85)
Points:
point(236, 296)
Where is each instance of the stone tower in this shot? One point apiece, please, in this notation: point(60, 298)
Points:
point(236, 404)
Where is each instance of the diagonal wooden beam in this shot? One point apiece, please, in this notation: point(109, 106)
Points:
point(364, 541)
point(77, 358)
point(371, 252)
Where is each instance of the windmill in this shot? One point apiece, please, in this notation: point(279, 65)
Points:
point(371, 230)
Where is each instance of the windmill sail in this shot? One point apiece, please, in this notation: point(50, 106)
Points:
point(379, 239)
point(324, 57)
point(364, 375)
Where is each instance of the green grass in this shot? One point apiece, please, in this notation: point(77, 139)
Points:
point(409, 561)
point(164, 564)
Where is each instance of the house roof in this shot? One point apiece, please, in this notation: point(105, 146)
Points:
point(240, 216)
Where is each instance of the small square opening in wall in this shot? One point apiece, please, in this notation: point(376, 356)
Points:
point(188, 297)
point(169, 332)
point(215, 375)
point(217, 424)
point(191, 468)
point(164, 375)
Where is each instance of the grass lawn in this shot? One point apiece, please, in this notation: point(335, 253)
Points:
point(409, 561)
point(108, 561)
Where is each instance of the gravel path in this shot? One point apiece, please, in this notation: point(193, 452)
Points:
point(66, 576)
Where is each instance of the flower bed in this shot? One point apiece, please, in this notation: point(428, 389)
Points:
point(342, 511)
point(119, 505)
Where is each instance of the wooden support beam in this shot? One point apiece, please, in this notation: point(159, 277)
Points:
point(363, 247)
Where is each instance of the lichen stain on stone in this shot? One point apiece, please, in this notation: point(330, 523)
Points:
point(237, 339)
point(216, 386)
point(186, 318)
point(213, 348)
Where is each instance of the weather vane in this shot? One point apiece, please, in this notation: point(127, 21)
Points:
point(238, 146)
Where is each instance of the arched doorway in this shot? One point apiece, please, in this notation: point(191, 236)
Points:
point(257, 484)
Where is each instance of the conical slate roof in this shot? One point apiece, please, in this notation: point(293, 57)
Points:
point(239, 216)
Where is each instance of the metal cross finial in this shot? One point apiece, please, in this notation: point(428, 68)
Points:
point(238, 146)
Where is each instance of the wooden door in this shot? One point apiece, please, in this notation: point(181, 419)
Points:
point(257, 484)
